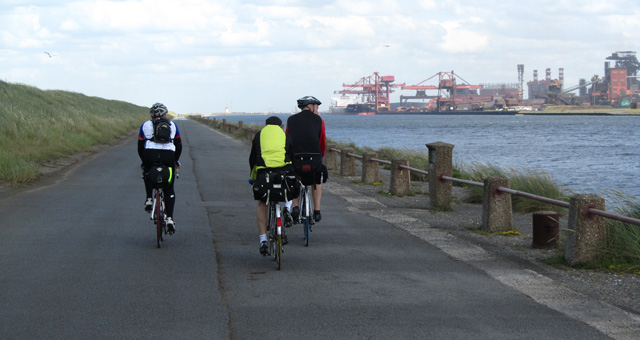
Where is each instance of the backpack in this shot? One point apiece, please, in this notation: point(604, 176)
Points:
point(161, 130)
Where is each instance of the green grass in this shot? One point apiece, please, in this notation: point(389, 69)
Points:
point(622, 251)
point(536, 182)
point(40, 126)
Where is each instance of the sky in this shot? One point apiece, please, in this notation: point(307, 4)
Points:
point(199, 56)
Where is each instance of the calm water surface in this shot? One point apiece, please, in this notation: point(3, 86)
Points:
point(587, 154)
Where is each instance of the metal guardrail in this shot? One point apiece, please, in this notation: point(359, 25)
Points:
point(590, 211)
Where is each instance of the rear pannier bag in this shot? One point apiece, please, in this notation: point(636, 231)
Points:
point(276, 185)
point(158, 176)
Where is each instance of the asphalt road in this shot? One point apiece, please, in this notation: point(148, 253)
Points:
point(78, 260)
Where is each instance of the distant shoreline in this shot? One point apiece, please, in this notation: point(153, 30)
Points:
point(553, 112)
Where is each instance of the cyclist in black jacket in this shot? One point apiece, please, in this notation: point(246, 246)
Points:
point(307, 132)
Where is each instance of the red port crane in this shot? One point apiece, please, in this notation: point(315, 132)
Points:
point(374, 89)
point(447, 91)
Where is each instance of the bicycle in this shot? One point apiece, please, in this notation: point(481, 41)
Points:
point(276, 232)
point(158, 175)
point(158, 215)
point(305, 211)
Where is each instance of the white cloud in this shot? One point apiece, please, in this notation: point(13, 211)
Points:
point(201, 54)
point(460, 40)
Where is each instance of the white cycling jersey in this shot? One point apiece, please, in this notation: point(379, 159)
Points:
point(146, 132)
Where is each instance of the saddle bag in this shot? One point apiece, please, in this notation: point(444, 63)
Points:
point(159, 176)
point(307, 163)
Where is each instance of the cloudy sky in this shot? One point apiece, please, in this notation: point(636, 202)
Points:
point(202, 56)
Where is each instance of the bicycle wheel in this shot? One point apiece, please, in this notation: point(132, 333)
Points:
point(279, 251)
point(277, 233)
point(305, 210)
point(159, 216)
point(272, 230)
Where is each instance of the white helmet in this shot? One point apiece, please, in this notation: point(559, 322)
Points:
point(158, 110)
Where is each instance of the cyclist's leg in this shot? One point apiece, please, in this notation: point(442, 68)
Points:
point(261, 215)
point(317, 196)
point(170, 196)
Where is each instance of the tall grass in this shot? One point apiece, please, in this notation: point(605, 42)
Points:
point(37, 126)
point(622, 251)
point(536, 182)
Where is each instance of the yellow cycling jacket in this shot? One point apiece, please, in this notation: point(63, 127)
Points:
point(270, 149)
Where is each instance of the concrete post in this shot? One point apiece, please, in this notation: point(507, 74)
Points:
point(586, 232)
point(331, 158)
point(240, 125)
point(440, 163)
point(370, 169)
point(497, 215)
point(347, 164)
point(400, 178)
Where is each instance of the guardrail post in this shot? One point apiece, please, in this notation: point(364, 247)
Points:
point(585, 232)
point(331, 158)
point(370, 171)
point(497, 215)
point(347, 164)
point(400, 178)
point(440, 163)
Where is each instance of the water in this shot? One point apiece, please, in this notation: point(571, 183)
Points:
point(587, 154)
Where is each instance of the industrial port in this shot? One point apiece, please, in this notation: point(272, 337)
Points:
point(447, 92)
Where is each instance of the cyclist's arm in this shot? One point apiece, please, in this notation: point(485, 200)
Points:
point(288, 148)
point(323, 139)
point(253, 155)
point(178, 144)
point(141, 141)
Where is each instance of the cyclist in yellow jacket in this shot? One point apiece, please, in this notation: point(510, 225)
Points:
point(270, 149)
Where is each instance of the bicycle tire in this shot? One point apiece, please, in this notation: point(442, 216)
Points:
point(306, 231)
point(271, 230)
point(305, 210)
point(279, 252)
point(159, 218)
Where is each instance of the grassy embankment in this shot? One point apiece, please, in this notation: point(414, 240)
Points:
point(39, 126)
point(620, 254)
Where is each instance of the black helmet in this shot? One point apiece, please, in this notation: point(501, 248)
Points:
point(306, 100)
point(273, 120)
point(158, 110)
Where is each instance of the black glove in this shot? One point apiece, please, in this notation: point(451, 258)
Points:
point(325, 174)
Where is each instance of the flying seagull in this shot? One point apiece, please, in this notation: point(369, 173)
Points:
point(50, 55)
